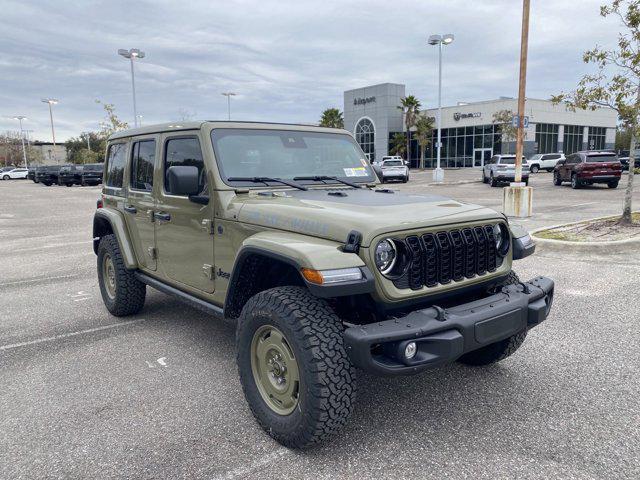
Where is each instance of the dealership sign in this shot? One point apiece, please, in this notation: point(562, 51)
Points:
point(364, 101)
point(459, 116)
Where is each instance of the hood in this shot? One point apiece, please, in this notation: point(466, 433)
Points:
point(333, 213)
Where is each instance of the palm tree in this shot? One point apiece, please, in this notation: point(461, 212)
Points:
point(398, 145)
point(332, 118)
point(424, 132)
point(410, 106)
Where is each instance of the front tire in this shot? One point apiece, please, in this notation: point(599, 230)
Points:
point(6, 177)
point(612, 184)
point(123, 294)
point(557, 181)
point(500, 350)
point(294, 370)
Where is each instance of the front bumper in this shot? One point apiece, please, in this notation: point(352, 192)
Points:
point(443, 335)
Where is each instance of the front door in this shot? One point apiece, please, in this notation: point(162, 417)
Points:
point(183, 228)
point(140, 204)
point(481, 156)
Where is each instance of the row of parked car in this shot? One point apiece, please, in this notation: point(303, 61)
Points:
point(580, 168)
point(69, 175)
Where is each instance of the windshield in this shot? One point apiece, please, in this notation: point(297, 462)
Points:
point(287, 154)
point(393, 163)
point(601, 158)
point(93, 168)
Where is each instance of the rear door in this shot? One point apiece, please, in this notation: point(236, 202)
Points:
point(140, 203)
point(183, 228)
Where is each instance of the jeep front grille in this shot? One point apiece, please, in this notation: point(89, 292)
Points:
point(449, 256)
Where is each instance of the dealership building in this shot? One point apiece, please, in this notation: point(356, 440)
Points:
point(469, 134)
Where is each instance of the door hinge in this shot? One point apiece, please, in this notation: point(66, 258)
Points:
point(207, 226)
point(152, 252)
point(208, 271)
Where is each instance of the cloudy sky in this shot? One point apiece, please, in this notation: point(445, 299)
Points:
point(287, 60)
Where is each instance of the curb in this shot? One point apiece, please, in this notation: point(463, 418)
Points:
point(460, 182)
point(563, 246)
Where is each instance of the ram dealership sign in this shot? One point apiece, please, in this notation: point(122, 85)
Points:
point(364, 101)
point(459, 116)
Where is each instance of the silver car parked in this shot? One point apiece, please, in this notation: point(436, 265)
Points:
point(502, 169)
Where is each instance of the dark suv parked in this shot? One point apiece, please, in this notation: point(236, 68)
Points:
point(92, 174)
point(587, 168)
point(32, 174)
point(70, 175)
point(48, 175)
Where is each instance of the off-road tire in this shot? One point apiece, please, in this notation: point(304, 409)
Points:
point(557, 180)
point(497, 351)
point(535, 169)
point(129, 291)
point(612, 184)
point(327, 377)
point(575, 183)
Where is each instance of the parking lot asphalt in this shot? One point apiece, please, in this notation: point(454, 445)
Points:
point(87, 395)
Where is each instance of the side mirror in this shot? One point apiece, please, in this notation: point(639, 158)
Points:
point(183, 180)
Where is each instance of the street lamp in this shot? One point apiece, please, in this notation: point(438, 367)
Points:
point(51, 102)
point(20, 118)
point(229, 95)
point(438, 173)
point(131, 54)
point(139, 119)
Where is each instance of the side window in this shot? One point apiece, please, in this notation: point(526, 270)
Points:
point(115, 164)
point(553, 157)
point(142, 163)
point(184, 152)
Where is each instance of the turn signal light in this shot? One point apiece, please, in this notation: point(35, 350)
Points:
point(326, 277)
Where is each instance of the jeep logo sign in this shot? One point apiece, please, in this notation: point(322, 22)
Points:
point(459, 116)
point(364, 101)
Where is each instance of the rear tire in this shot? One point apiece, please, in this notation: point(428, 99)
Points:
point(575, 183)
point(494, 182)
point(612, 184)
point(500, 350)
point(313, 353)
point(123, 294)
point(535, 169)
point(557, 181)
point(484, 178)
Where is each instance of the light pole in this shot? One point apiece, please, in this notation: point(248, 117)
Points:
point(139, 120)
point(438, 173)
point(51, 102)
point(229, 95)
point(20, 118)
point(131, 54)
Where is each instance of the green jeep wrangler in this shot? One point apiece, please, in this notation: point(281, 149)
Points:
point(285, 230)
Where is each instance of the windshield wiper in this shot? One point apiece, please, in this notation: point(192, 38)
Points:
point(319, 178)
point(267, 179)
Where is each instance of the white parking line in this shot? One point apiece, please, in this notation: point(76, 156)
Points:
point(565, 207)
point(70, 334)
point(243, 472)
point(39, 279)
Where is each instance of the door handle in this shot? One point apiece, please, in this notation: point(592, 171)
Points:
point(130, 209)
point(163, 217)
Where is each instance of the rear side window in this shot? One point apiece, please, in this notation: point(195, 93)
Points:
point(144, 157)
point(115, 164)
point(185, 152)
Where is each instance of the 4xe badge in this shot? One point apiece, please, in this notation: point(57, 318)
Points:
point(222, 274)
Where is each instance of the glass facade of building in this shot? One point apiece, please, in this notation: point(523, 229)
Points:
point(596, 138)
point(365, 135)
point(572, 139)
point(546, 138)
point(459, 146)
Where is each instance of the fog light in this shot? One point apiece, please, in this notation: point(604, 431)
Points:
point(410, 350)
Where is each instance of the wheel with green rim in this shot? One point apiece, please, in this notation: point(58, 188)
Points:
point(122, 293)
point(275, 369)
point(294, 370)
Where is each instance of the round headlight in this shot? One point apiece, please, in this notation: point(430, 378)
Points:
point(501, 236)
point(385, 256)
